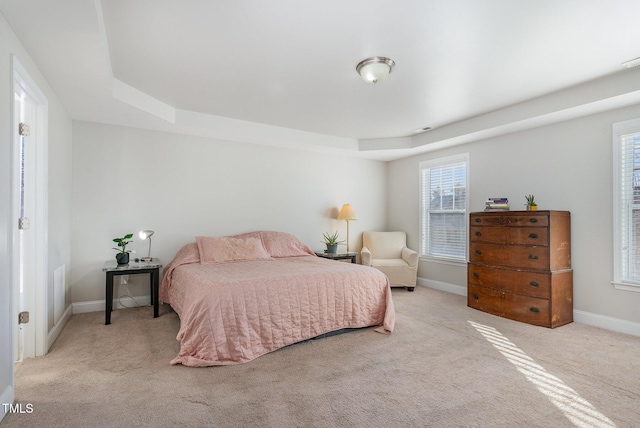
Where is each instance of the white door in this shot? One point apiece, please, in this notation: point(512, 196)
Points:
point(24, 276)
point(29, 216)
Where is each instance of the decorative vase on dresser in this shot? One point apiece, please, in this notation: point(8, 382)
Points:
point(520, 266)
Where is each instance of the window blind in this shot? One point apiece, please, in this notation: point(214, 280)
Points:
point(444, 208)
point(629, 207)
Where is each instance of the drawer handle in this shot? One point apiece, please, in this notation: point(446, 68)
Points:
point(534, 309)
point(478, 220)
point(478, 234)
point(478, 252)
point(475, 296)
point(533, 235)
point(533, 220)
point(533, 257)
point(534, 284)
point(476, 275)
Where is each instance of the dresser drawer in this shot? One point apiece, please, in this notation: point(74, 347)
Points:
point(516, 281)
point(519, 256)
point(509, 220)
point(509, 235)
point(517, 307)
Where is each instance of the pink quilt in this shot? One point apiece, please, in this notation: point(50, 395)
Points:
point(235, 311)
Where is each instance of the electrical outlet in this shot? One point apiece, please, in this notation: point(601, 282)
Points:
point(124, 279)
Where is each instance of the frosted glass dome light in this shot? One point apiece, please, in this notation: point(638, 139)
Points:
point(375, 69)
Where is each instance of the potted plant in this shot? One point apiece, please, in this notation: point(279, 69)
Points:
point(531, 203)
point(331, 241)
point(122, 257)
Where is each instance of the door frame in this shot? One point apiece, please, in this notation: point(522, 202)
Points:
point(21, 81)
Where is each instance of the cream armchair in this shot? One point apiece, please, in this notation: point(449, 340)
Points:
point(388, 252)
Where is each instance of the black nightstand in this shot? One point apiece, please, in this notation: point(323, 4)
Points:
point(111, 268)
point(338, 256)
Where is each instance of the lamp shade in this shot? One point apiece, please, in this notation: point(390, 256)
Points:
point(347, 212)
point(144, 234)
point(375, 69)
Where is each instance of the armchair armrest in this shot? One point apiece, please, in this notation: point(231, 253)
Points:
point(410, 256)
point(365, 256)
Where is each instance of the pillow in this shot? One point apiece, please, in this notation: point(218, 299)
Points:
point(228, 248)
point(280, 244)
point(189, 253)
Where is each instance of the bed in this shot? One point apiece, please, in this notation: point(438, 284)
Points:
point(239, 297)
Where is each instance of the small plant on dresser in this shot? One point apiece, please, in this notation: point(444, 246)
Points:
point(531, 203)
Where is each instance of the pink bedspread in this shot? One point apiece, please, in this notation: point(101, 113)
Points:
point(232, 313)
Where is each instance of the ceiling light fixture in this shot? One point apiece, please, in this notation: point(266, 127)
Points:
point(631, 63)
point(375, 69)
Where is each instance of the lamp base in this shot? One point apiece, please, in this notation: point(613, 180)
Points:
point(146, 259)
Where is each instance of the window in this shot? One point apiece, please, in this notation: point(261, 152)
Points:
point(443, 217)
point(626, 210)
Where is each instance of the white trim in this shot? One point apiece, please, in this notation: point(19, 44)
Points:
point(21, 78)
point(7, 397)
point(57, 329)
point(626, 286)
point(460, 290)
point(88, 306)
point(99, 305)
point(609, 323)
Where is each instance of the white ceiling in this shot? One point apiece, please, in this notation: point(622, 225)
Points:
point(282, 72)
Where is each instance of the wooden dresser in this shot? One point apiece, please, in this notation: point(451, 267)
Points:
point(520, 266)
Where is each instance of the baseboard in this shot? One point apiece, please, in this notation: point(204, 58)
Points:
point(595, 320)
point(99, 305)
point(444, 286)
point(55, 331)
point(609, 323)
point(7, 397)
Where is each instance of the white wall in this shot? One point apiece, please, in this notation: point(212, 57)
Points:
point(126, 179)
point(59, 205)
point(59, 186)
point(567, 166)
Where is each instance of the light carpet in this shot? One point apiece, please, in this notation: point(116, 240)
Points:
point(446, 365)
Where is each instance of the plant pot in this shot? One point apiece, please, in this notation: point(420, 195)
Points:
point(532, 207)
point(332, 248)
point(122, 258)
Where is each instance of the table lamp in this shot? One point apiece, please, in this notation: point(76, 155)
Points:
point(347, 213)
point(144, 234)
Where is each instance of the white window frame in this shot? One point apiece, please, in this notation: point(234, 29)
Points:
point(621, 239)
point(424, 210)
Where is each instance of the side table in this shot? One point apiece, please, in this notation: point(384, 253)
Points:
point(112, 269)
point(338, 256)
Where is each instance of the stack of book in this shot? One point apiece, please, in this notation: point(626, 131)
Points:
point(497, 204)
